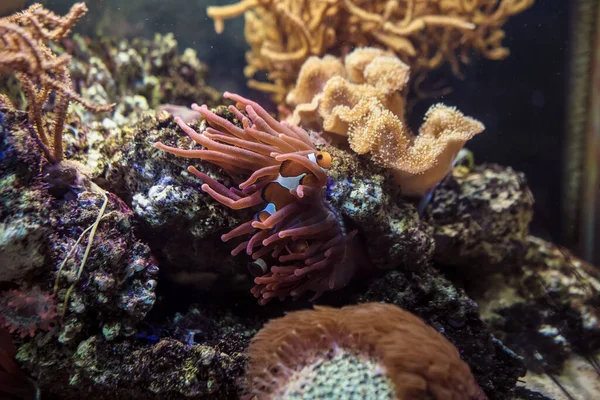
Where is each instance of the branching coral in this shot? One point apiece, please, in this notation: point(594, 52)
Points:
point(364, 99)
point(317, 351)
point(44, 76)
point(23, 49)
point(283, 33)
point(296, 232)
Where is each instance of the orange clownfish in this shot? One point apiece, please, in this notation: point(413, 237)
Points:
point(291, 175)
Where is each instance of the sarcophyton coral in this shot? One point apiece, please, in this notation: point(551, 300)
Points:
point(371, 350)
point(283, 33)
point(297, 241)
point(364, 99)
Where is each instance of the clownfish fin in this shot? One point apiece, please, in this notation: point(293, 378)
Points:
point(266, 212)
point(297, 246)
point(290, 168)
point(309, 180)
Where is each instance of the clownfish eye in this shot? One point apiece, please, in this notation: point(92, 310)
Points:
point(323, 159)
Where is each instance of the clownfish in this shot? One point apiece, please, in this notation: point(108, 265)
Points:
point(259, 266)
point(291, 175)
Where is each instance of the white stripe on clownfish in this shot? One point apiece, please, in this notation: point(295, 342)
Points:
point(258, 267)
point(278, 198)
point(290, 182)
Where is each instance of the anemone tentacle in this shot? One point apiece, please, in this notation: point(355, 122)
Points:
point(295, 229)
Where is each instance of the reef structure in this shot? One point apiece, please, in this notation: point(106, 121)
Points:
point(297, 242)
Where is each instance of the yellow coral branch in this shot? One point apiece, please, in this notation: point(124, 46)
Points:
point(424, 33)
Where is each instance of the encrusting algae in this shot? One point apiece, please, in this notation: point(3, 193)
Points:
point(282, 34)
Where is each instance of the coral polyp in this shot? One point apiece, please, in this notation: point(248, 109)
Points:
point(370, 350)
point(297, 241)
point(27, 310)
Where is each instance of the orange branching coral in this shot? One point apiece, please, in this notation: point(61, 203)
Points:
point(364, 99)
point(296, 240)
point(322, 349)
point(424, 33)
point(23, 49)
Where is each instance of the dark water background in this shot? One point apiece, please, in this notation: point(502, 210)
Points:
point(521, 100)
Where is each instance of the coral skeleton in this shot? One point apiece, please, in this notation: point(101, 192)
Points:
point(414, 359)
point(282, 34)
point(297, 241)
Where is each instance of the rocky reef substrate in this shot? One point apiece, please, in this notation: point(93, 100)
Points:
point(159, 309)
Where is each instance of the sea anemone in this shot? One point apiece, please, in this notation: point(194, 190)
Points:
point(297, 241)
point(27, 310)
point(370, 350)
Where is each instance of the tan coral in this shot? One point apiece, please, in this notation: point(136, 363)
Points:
point(282, 34)
point(443, 133)
point(366, 103)
point(366, 73)
point(417, 163)
point(397, 354)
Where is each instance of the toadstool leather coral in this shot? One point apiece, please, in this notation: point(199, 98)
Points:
point(366, 103)
point(311, 354)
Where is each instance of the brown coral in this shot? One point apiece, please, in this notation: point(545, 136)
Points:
point(416, 360)
point(283, 33)
point(365, 101)
point(24, 51)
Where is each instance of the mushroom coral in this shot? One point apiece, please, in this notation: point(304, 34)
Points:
point(282, 34)
point(297, 241)
point(370, 350)
point(364, 99)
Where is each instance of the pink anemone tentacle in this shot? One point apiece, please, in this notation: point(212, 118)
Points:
point(300, 236)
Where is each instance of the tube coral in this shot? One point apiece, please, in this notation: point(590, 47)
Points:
point(318, 352)
point(425, 34)
point(296, 231)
